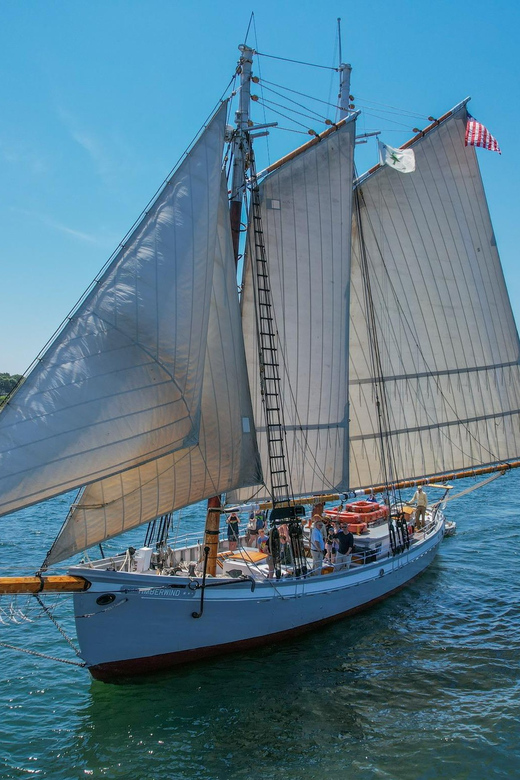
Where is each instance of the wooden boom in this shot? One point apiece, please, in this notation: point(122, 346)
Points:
point(503, 467)
point(407, 483)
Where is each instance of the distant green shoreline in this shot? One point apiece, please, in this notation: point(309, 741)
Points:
point(7, 383)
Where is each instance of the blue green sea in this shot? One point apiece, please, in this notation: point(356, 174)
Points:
point(424, 685)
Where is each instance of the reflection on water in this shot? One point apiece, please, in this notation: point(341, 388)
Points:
point(424, 685)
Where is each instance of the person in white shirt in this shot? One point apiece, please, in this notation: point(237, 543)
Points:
point(420, 498)
point(317, 545)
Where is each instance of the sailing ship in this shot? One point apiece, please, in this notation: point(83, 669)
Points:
point(369, 348)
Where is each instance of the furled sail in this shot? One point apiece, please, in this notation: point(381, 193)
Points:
point(306, 221)
point(226, 455)
point(121, 384)
point(448, 345)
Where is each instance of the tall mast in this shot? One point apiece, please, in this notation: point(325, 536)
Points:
point(344, 89)
point(344, 81)
point(240, 151)
point(238, 191)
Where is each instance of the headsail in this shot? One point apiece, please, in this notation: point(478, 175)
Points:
point(226, 455)
point(445, 330)
point(121, 384)
point(305, 210)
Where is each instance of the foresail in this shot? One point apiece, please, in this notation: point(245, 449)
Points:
point(305, 209)
point(226, 455)
point(445, 331)
point(121, 384)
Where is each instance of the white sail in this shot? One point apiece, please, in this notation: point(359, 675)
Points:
point(226, 455)
point(445, 331)
point(121, 384)
point(305, 209)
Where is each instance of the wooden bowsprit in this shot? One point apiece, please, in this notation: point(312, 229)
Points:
point(58, 583)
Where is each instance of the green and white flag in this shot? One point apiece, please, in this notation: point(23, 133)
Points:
point(403, 160)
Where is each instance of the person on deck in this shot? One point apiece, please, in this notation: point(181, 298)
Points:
point(331, 543)
point(420, 498)
point(264, 545)
point(232, 531)
point(317, 545)
point(285, 544)
point(254, 526)
point(345, 547)
point(262, 541)
point(250, 531)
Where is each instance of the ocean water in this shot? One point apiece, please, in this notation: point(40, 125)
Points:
point(424, 685)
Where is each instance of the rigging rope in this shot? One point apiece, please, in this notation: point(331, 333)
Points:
point(251, 20)
point(403, 111)
point(359, 100)
point(302, 94)
point(253, 569)
point(293, 110)
point(470, 489)
point(300, 105)
point(261, 103)
point(291, 130)
point(385, 119)
point(296, 62)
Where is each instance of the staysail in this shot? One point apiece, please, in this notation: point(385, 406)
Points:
point(226, 455)
point(121, 384)
point(448, 345)
point(305, 211)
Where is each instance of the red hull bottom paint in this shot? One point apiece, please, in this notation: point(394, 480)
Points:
point(116, 671)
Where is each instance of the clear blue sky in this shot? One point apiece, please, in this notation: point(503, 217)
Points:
point(99, 99)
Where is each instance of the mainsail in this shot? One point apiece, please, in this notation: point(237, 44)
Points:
point(121, 384)
point(448, 345)
point(305, 212)
point(226, 454)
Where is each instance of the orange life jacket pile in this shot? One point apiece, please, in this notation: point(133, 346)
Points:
point(359, 515)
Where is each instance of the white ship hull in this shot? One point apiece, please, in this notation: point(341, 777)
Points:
point(149, 624)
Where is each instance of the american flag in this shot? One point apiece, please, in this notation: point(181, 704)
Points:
point(478, 135)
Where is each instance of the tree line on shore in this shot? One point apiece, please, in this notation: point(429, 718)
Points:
point(7, 382)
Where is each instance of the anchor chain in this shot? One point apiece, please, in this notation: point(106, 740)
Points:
point(43, 655)
point(53, 620)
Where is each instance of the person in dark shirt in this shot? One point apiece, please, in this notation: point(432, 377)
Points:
point(331, 544)
point(285, 544)
point(345, 547)
point(232, 531)
point(264, 545)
